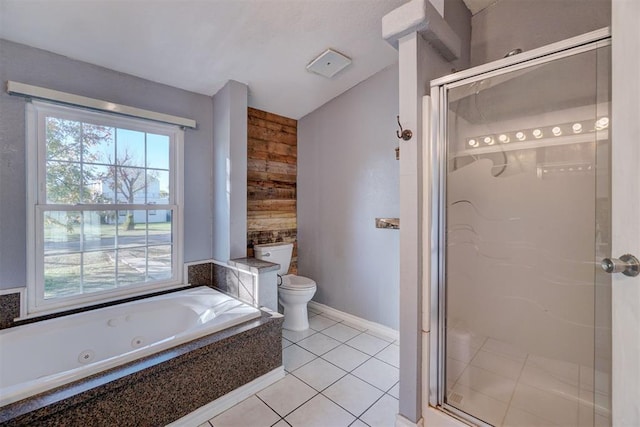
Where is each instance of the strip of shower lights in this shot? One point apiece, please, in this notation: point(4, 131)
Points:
point(572, 128)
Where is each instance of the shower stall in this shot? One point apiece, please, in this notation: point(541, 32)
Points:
point(521, 219)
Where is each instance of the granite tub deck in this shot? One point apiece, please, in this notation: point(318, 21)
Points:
point(161, 388)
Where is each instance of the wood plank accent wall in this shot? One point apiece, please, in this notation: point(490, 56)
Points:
point(272, 158)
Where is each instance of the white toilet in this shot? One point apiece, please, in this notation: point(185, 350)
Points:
point(294, 292)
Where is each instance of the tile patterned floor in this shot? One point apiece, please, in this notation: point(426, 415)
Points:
point(506, 386)
point(337, 375)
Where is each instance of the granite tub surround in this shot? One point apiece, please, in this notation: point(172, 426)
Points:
point(161, 388)
point(200, 274)
point(9, 309)
point(254, 264)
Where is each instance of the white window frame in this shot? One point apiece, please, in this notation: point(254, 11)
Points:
point(36, 112)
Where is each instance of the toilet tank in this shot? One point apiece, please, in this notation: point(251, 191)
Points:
point(279, 253)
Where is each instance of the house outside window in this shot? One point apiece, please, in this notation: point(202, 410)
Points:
point(104, 194)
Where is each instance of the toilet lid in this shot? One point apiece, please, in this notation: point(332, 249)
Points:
point(291, 281)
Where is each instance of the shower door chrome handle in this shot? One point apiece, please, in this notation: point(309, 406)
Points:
point(627, 265)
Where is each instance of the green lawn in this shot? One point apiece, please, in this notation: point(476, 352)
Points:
point(54, 231)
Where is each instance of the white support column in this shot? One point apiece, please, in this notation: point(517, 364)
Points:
point(230, 171)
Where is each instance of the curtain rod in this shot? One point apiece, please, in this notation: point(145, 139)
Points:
point(22, 89)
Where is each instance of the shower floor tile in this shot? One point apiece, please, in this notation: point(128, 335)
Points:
point(505, 386)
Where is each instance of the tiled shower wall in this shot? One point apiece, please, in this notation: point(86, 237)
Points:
point(272, 157)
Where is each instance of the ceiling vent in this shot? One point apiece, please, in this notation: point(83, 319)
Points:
point(329, 63)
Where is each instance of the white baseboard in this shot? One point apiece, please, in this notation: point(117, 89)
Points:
point(357, 321)
point(210, 410)
point(403, 422)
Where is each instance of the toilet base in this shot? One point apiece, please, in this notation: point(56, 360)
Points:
point(295, 317)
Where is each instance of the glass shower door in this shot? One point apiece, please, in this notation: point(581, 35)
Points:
point(526, 203)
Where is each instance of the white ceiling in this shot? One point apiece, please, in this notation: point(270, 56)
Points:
point(198, 45)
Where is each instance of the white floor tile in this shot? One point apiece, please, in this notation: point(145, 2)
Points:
point(391, 355)
point(482, 406)
point(250, 412)
point(205, 424)
point(293, 357)
point(535, 376)
point(353, 394)
point(567, 372)
point(395, 391)
point(377, 373)
point(518, 418)
point(504, 349)
point(295, 336)
point(319, 374)
point(358, 423)
point(453, 370)
point(485, 382)
point(367, 343)
point(281, 423)
point(346, 357)
point(382, 413)
point(285, 343)
point(461, 351)
point(321, 322)
point(320, 412)
point(492, 362)
point(318, 344)
point(462, 344)
point(286, 395)
point(341, 332)
point(546, 405)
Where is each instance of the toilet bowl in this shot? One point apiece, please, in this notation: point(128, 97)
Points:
point(294, 292)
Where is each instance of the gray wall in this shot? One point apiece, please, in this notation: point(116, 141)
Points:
point(37, 67)
point(348, 176)
point(230, 171)
point(528, 24)
point(459, 19)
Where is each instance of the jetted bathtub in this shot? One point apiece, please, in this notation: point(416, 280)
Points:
point(41, 356)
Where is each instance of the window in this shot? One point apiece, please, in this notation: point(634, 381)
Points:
point(97, 183)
